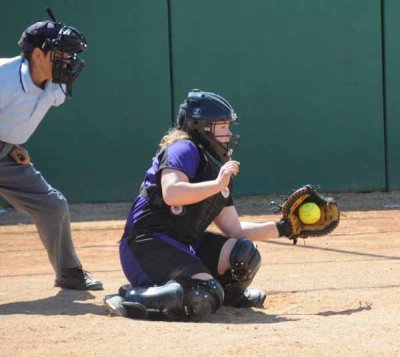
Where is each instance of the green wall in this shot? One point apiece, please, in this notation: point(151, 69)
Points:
point(305, 77)
point(392, 81)
point(97, 146)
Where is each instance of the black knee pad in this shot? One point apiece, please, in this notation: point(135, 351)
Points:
point(202, 298)
point(245, 260)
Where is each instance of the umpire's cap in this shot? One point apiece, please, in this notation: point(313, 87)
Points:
point(38, 33)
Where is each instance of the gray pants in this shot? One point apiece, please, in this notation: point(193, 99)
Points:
point(25, 188)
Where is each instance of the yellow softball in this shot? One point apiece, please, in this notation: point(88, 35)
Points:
point(309, 213)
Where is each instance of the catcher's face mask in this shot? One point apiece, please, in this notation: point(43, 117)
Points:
point(207, 117)
point(221, 140)
point(221, 131)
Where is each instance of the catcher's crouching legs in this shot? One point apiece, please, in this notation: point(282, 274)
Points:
point(192, 300)
point(245, 262)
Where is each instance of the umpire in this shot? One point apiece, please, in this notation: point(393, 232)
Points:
point(41, 77)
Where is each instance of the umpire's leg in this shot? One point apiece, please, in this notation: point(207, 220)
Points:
point(25, 188)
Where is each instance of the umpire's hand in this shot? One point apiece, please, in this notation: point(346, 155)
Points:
point(20, 155)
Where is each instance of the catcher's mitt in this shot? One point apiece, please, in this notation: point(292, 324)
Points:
point(294, 227)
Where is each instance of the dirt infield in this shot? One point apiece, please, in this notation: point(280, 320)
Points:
point(337, 295)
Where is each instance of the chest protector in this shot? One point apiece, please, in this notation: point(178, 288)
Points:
point(184, 223)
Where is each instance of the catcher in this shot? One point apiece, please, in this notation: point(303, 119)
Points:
point(176, 268)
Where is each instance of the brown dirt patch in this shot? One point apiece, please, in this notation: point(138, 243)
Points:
point(330, 296)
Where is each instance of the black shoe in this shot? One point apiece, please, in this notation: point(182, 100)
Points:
point(250, 298)
point(79, 279)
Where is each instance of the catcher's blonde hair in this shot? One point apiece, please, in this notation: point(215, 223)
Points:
point(173, 135)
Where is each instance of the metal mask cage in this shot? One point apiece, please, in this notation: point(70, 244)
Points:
point(234, 139)
point(66, 68)
point(66, 64)
point(202, 132)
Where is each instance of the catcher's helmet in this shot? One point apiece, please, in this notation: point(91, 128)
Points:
point(65, 42)
point(198, 114)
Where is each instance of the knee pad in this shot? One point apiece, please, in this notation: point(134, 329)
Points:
point(245, 260)
point(202, 298)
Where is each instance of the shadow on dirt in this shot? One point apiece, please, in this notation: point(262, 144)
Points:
point(347, 311)
point(66, 302)
point(229, 315)
point(363, 306)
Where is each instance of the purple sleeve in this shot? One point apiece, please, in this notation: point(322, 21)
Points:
point(182, 155)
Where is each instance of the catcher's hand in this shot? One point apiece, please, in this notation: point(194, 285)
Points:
point(292, 227)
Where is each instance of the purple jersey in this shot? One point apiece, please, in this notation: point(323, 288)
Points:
point(182, 155)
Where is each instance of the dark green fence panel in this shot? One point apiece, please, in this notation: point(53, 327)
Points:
point(305, 78)
point(97, 146)
point(392, 81)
